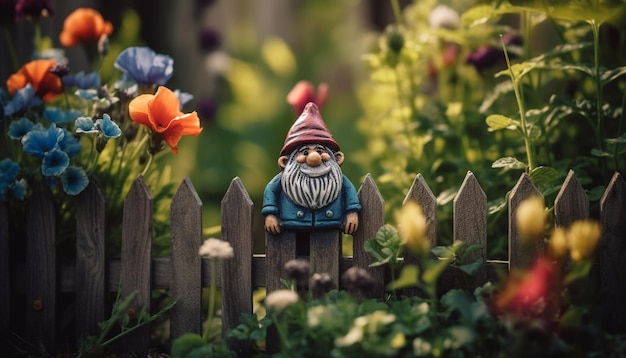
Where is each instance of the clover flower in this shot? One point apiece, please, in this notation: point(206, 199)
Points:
point(365, 324)
point(215, 248)
point(160, 112)
point(144, 66)
point(84, 26)
point(421, 347)
point(280, 299)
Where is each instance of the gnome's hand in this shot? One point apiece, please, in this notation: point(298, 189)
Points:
point(272, 225)
point(352, 223)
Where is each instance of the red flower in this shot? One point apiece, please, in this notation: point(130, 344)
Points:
point(84, 25)
point(533, 295)
point(304, 92)
point(37, 72)
point(160, 112)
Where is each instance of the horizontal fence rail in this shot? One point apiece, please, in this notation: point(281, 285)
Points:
point(36, 284)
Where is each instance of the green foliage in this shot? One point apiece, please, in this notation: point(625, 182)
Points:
point(94, 346)
point(386, 247)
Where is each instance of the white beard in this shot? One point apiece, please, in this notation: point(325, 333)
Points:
point(311, 192)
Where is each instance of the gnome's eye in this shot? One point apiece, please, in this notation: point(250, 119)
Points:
point(305, 152)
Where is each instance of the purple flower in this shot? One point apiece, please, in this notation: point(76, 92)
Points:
point(484, 57)
point(32, 9)
point(145, 66)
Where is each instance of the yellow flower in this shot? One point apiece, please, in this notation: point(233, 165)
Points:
point(558, 244)
point(412, 227)
point(584, 236)
point(531, 217)
point(280, 299)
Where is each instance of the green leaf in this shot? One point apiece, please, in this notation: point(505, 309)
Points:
point(385, 247)
point(596, 193)
point(471, 268)
point(408, 278)
point(596, 11)
point(579, 270)
point(443, 251)
point(508, 163)
point(518, 70)
point(608, 76)
point(544, 176)
point(185, 344)
point(600, 153)
point(498, 121)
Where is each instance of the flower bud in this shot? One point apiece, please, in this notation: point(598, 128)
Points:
point(280, 299)
point(584, 236)
point(321, 283)
point(531, 218)
point(412, 227)
point(558, 245)
point(297, 270)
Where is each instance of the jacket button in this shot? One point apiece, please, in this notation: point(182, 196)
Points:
point(300, 214)
point(329, 213)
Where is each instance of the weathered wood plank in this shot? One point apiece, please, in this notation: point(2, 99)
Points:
point(421, 194)
point(5, 272)
point(371, 218)
point(278, 250)
point(571, 203)
point(90, 260)
point(611, 249)
point(186, 283)
point(470, 223)
point(136, 259)
point(325, 253)
point(236, 272)
point(41, 320)
point(521, 255)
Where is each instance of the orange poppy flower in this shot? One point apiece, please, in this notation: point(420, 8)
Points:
point(37, 72)
point(160, 112)
point(84, 25)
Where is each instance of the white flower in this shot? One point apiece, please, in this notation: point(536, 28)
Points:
point(216, 248)
point(444, 16)
point(355, 335)
point(423, 307)
point(280, 299)
point(314, 314)
point(421, 347)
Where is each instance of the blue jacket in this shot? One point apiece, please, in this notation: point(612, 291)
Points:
point(293, 216)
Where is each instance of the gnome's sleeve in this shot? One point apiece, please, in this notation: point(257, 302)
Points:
point(351, 198)
point(271, 197)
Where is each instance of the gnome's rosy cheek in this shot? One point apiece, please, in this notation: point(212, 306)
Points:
point(301, 158)
point(325, 157)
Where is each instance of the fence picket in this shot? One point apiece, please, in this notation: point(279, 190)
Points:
point(520, 254)
point(612, 249)
point(5, 273)
point(41, 268)
point(470, 223)
point(420, 193)
point(136, 259)
point(90, 260)
point(237, 271)
point(571, 203)
point(371, 218)
point(186, 283)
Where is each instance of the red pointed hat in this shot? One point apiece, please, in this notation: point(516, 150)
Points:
point(308, 128)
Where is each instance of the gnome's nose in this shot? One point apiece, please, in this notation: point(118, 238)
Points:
point(314, 159)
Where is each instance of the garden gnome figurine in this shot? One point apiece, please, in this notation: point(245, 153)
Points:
point(310, 192)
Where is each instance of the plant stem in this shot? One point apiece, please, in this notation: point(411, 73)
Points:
point(397, 13)
point(595, 28)
point(520, 106)
point(212, 290)
point(11, 48)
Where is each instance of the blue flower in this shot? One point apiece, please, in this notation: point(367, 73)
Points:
point(145, 66)
point(19, 128)
point(183, 97)
point(74, 180)
point(8, 170)
point(85, 125)
point(109, 128)
point(54, 163)
point(69, 144)
point(38, 141)
point(88, 94)
point(82, 80)
point(23, 99)
point(19, 188)
point(59, 116)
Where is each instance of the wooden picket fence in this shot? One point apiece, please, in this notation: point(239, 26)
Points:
point(43, 278)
